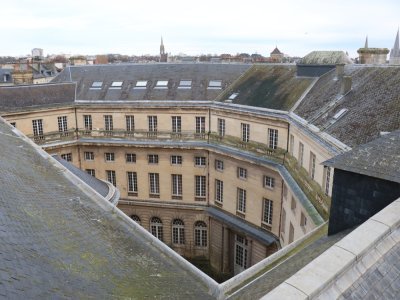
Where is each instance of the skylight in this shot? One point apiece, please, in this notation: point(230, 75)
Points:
point(340, 113)
point(185, 84)
point(116, 84)
point(141, 84)
point(215, 84)
point(161, 84)
point(97, 85)
point(233, 96)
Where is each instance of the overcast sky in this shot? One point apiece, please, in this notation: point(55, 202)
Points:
point(196, 27)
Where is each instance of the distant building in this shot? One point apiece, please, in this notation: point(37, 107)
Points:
point(37, 54)
point(6, 77)
point(375, 56)
point(101, 60)
point(276, 56)
point(395, 53)
point(163, 55)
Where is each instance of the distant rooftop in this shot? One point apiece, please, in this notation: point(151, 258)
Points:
point(325, 58)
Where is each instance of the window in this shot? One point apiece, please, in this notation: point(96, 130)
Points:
point(241, 173)
point(176, 186)
point(291, 233)
point(91, 172)
point(219, 165)
point(96, 85)
point(327, 180)
point(154, 182)
point(141, 84)
point(116, 85)
point(111, 177)
point(176, 124)
point(221, 127)
point(156, 228)
point(178, 232)
point(200, 188)
point(241, 251)
point(200, 234)
point(245, 132)
point(37, 126)
point(62, 125)
point(291, 145)
point(130, 123)
point(241, 200)
point(109, 156)
point(136, 219)
point(108, 122)
point(185, 84)
point(301, 153)
point(219, 190)
point(215, 84)
point(200, 161)
point(267, 211)
point(67, 156)
point(132, 183)
point(162, 84)
point(200, 124)
point(152, 158)
point(293, 204)
point(312, 165)
point(88, 155)
point(87, 120)
point(130, 157)
point(269, 182)
point(273, 138)
point(152, 120)
point(303, 220)
point(176, 160)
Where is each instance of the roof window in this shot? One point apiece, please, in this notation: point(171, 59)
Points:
point(233, 96)
point(340, 113)
point(96, 85)
point(215, 84)
point(185, 84)
point(116, 84)
point(161, 84)
point(141, 84)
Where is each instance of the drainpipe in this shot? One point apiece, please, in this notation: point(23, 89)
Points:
point(77, 138)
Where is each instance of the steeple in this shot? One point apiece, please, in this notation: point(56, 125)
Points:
point(162, 50)
point(395, 53)
point(366, 43)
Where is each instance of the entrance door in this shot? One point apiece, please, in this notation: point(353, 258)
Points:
point(241, 256)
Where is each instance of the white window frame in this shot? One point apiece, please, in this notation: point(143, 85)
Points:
point(109, 156)
point(130, 158)
point(200, 186)
point(219, 165)
point(176, 160)
point(242, 173)
point(245, 132)
point(176, 124)
point(221, 127)
point(132, 182)
point(200, 234)
point(152, 159)
point(200, 124)
point(273, 138)
point(111, 177)
point(267, 211)
point(241, 200)
point(88, 155)
point(219, 191)
point(154, 183)
point(176, 185)
point(178, 232)
point(130, 122)
point(269, 182)
point(200, 161)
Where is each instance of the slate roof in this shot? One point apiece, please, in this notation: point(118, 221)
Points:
point(373, 104)
point(33, 95)
point(200, 74)
point(59, 242)
point(379, 158)
point(325, 58)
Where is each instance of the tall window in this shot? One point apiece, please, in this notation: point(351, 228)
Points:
point(219, 190)
point(200, 124)
point(109, 156)
point(176, 159)
point(178, 232)
point(241, 251)
point(200, 234)
point(111, 177)
point(301, 153)
point(327, 180)
point(108, 122)
point(154, 182)
point(87, 121)
point(312, 165)
point(200, 187)
point(283, 220)
point(62, 125)
point(130, 123)
point(136, 218)
point(241, 200)
point(156, 228)
point(221, 127)
point(273, 138)
point(245, 132)
point(267, 211)
point(176, 124)
point(152, 158)
point(89, 155)
point(132, 183)
point(200, 161)
point(269, 182)
point(37, 126)
point(219, 165)
point(130, 157)
point(91, 172)
point(291, 144)
point(241, 173)
point(152, 120)
point(176, 185)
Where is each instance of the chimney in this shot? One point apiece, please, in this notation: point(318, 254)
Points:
point(339, 71)
point(346, 85)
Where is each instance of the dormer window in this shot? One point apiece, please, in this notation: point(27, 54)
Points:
point(215, 84)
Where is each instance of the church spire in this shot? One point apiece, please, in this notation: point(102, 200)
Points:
point(162, 50)
point(394, 58)
point(366, 43)
point(396, 43)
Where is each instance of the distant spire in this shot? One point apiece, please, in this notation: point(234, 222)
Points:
point(162, 49)
point(395, 53)
point(366, 42)
point(396, 43)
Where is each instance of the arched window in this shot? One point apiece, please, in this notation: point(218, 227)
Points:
point(200, 234)
point(178, 232)
point(136, 219)
point(156, 228)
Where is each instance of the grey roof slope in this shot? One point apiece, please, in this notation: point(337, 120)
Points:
point(379, 158)
point(373, 104)
point(129, 74)
point(33, 95)
point(325, 58)
point(98, 185)
point(57, 242)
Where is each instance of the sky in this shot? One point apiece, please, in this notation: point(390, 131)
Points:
point(196, 27)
